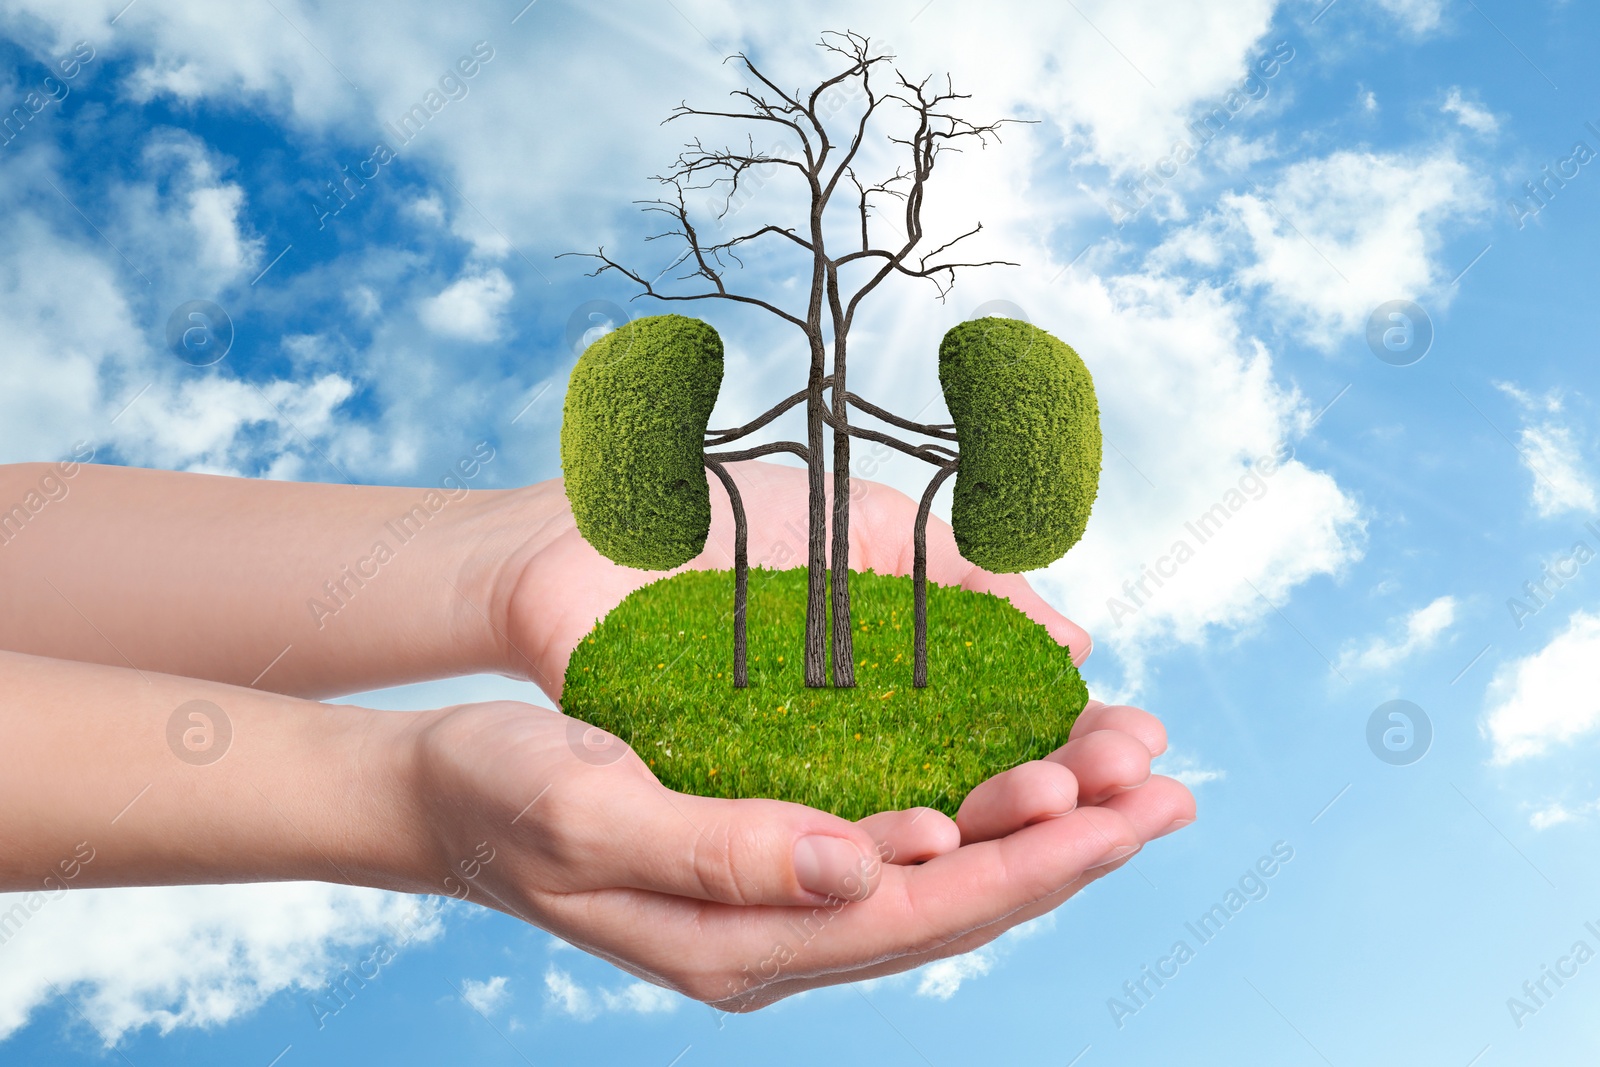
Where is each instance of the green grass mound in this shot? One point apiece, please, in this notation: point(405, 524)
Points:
point(657, 672)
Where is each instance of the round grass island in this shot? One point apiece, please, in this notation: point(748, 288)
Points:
point(656, 673)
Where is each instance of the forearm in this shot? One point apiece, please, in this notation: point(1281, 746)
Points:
point(110, 777)
point(303, 588)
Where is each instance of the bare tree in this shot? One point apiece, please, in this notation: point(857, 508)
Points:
point(825, 169)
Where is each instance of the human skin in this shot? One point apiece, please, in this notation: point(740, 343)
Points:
point(138, 591)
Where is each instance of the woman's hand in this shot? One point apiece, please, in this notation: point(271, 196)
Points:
point(741, 903)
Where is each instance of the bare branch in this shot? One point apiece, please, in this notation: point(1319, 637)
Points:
point(864, 68)
point(649, 290)
point(786, 231)
point(928, 453)
point(764, 113)
point(935, 128)
point(722, 437)
point(935, 454)
point(761, 450)
point(942, 430)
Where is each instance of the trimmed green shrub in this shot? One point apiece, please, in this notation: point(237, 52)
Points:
point(632, 440)
point(1024, 409)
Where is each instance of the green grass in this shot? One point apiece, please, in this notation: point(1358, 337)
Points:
point(657, 672)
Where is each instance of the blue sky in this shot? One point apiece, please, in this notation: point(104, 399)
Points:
point(1387, 157)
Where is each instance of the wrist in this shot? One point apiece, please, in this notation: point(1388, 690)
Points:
point(391, 843)
point(500, 538)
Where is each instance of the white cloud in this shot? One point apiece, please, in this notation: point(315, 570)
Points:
point(471, 307)
point(103, 381)
point(571, 998)
point(193, 956)
point(567, 996)
point(1473, 116)
point(1336, 236)
point(942, 978)
point(1421, 631)
point(1186, 769)
point(183, 224)
point(1561, 483)
point(1186, 539)
point(1556, 813)
point(1417, 15)
point(486, 996)
point(1548, 697)
point(201, 425)
point(427, 209)
point(1552, 454)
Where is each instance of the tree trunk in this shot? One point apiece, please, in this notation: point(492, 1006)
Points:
point(816, 532)
point(741, 575)
point(919, 580)
point(844, 652)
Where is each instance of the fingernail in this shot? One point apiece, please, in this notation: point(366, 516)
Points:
point(829, 866)
point(1174, 826)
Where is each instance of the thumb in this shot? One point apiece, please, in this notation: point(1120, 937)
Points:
point(739, 851)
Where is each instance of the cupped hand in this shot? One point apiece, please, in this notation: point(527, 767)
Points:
point(740, 903)
point(550, 596)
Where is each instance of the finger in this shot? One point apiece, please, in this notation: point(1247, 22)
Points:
point(716, 952)
point(1025, 794)
point(742, 852)
point(1016, 589)
point(1135, 722)
point(1159, 807)
point(1150, 810)
point(917, 909)
point(920, 912)
point(752, 996)
point(1106, 762)
point(912, 836)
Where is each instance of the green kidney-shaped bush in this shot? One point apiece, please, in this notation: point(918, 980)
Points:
point(632, 440)
point(1024, 409)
